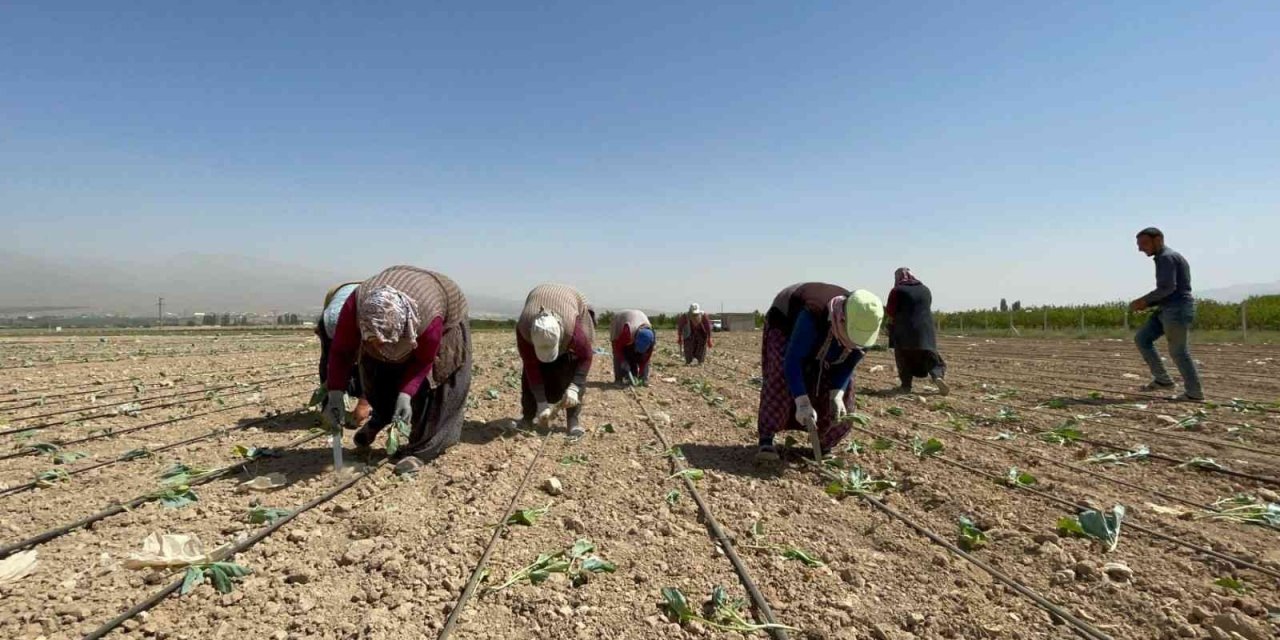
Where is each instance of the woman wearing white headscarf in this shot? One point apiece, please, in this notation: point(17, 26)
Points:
point(693, 334)
point(326, 328)
point(407, 327)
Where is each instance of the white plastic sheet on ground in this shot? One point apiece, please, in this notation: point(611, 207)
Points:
point(269, 482)
point(173, 551)
point(18, 566)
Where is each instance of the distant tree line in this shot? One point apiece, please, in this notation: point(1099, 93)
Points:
point(1260, 312)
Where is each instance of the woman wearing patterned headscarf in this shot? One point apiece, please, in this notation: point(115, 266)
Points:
point(909, 314)
point(326, 328)
point(407, 327)
point(814, 336)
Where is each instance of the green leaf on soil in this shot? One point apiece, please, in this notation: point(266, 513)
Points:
point(1015, 478)
point(808, 559)
point(136, 454)
point(528, 517)
point(67, 457)
point(690, 473)
point(673, 496)
point(266, 515)
point(971, 537)
point(895, 411)
point(926, 448)
point(577, 458)
point(882, 444)
point(1233, 584)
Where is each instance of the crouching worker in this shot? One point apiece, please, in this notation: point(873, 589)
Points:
point(326, 328)
point(554, 337)
point(633, 344)
point(408, 330)
point(814, 336)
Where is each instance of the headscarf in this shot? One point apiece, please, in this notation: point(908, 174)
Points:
point(644, 340)
point(903, 276)
point(391, 317)
point(839, 324)
point(334, 308)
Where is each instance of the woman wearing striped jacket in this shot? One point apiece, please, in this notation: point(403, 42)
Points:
point(554, 337)
point(408, 330)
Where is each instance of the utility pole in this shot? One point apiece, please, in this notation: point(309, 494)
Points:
point(160, 313)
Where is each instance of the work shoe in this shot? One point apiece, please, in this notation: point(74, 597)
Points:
point(409, 465)
point(576, 431)
point(767, 454)
point(943, 388)
point(1184, 397)
point(365, 436)
point(1155, 385)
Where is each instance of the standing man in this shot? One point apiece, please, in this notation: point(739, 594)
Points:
point(554, 337)
point(633, 340)
point(693, 334)
point(1173, 312)
point(909, 314)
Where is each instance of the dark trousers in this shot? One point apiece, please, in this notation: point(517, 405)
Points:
point(438, 413)
point(556, 378)
point(918, 363)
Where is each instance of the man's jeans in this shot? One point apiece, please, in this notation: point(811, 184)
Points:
point(1172, 320)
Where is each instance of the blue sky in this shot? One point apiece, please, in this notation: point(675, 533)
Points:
point(654, 153)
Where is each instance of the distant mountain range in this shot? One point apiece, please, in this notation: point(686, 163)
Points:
point(188, 283)
point(1236, 293)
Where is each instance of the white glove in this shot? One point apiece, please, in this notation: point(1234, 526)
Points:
point(570, 399)
point(838, 410)
point(543, 417)
point(404, 409)
point(335, 409)
point(805, 413)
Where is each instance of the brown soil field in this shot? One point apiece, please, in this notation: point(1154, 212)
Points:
point(393, 557)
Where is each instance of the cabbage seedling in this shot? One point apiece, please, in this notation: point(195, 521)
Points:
point(266, 515)
point(1015, 478)
point(971, 537)
point(690, 473)
point(926, 448)
point(725, 613)
point(1141, 453)
point(1233, 584)
point(175, 496)
point(856, 482)
point(399, 431)
point(223, 576)
point(528, 517)
point(46, 479)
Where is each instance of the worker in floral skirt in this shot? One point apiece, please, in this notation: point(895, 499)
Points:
point(815, 334)
point(693, 334)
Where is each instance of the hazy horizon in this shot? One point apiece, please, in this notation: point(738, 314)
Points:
point(652, 156)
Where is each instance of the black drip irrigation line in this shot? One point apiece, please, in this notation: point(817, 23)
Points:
point(238, 548)
point(59, 423)
point(57, 532)
point(1263, 406)
point(4, 493)
point(189, 354)
point(478, 573)
point(115, 392)
point(757, 598)
point(92, 407)
point(1149, 432)
point(113, 385)
point(1038, 386)
point(1239, 562)
point(1105, 363)
point(1176, 436)
point(112, 433)
point(1081, 627)
point(1153, 454)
